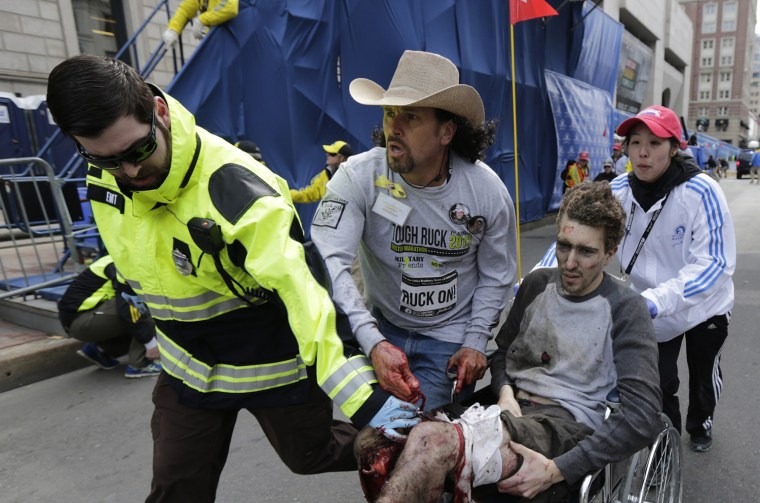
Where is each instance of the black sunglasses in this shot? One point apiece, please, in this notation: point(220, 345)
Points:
point(136, 154)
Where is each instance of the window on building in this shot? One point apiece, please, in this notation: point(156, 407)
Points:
point(704, 112)
point(100, 26)
point(722, 111)
point(727, 51)
point(708, 44)
point(709, 17)
point(706, 62)
point(705, 95)
point(729, 16)
point(724, 94)
point(705, 78)
point(726, 77)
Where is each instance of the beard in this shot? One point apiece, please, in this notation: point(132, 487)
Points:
point(158, 173)
point(399, 165)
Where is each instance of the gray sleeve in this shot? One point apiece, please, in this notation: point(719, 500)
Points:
point(636, 423)
point(337, 230)
point(497, 266)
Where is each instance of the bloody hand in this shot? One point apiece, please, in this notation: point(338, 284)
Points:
point(392, 370)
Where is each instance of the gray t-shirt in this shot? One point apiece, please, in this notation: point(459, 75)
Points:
point(443, 271)
point(574, 350)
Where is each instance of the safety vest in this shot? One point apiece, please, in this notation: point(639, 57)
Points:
point(91, 288)
point(224, 351)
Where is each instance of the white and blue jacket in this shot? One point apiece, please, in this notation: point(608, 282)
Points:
point(686, 264)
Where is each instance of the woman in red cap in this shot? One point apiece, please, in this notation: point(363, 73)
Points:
point(680, 253)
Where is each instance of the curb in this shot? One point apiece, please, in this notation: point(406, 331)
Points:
point(37, 360)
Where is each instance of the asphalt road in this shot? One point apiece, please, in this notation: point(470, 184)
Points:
point(85, 436)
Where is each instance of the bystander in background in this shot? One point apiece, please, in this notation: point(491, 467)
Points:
point(608, 173)
point(210, 13)
point(335, 153)
point(103, 312)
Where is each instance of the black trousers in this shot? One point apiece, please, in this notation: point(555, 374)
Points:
point(190, 445)
point(704, 344)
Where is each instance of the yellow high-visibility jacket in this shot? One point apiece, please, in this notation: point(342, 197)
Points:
point(221, 351)
point(576, 175)
point(315, 191)
point(213, 12)
point(91, 288)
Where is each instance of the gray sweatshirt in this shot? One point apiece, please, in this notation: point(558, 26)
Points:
point(443, 272)
point(574, 350)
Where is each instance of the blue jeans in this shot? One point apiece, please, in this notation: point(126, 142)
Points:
point(428, 361)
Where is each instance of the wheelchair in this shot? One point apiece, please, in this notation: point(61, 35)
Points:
point(652, 475)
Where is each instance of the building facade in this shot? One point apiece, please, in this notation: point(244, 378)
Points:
point(656, 53)
point(754, 88)
point(722, 59)
point(36, 35)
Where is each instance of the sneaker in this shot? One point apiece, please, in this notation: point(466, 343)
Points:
point(92, 352)
point(701, 442)
point(151, 369)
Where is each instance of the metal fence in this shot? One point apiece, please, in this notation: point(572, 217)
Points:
point(46, 228)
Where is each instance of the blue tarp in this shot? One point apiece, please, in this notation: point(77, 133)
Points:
point(582, 117)
point(278, 74)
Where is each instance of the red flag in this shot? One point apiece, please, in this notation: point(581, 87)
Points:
point(522, 10)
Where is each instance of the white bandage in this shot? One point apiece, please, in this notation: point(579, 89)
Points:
point(482, 431)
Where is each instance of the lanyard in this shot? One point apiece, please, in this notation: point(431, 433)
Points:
point(646, 231)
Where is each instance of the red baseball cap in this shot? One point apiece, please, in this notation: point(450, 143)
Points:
point(583, 156)
point(660, 120)
point(617, 147)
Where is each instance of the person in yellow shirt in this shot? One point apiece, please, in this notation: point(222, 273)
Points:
point(578, 172)
point(210, 13)
point(336, 153)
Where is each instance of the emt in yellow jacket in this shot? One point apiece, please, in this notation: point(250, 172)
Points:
point(202, 232)
point(336, 153)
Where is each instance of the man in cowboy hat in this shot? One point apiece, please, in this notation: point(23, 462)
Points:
point(434, 228)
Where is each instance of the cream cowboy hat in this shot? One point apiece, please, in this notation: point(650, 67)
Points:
point(423, 79)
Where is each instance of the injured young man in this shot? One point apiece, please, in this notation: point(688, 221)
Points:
point(572, 335)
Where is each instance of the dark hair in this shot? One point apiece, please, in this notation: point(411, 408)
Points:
point(593, 204)
point(469, 142)
point(674, 143)
point(87, 94)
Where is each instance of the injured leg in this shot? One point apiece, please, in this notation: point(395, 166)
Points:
point(432, 451)
point(376, 456)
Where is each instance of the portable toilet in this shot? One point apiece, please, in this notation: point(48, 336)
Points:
point(15, 140)
point(62, 149)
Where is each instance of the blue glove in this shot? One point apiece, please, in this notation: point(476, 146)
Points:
point(652, 308)
point(135, 302)
point(395, 414)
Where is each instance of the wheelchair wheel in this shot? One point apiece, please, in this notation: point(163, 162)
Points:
point(654, 475)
